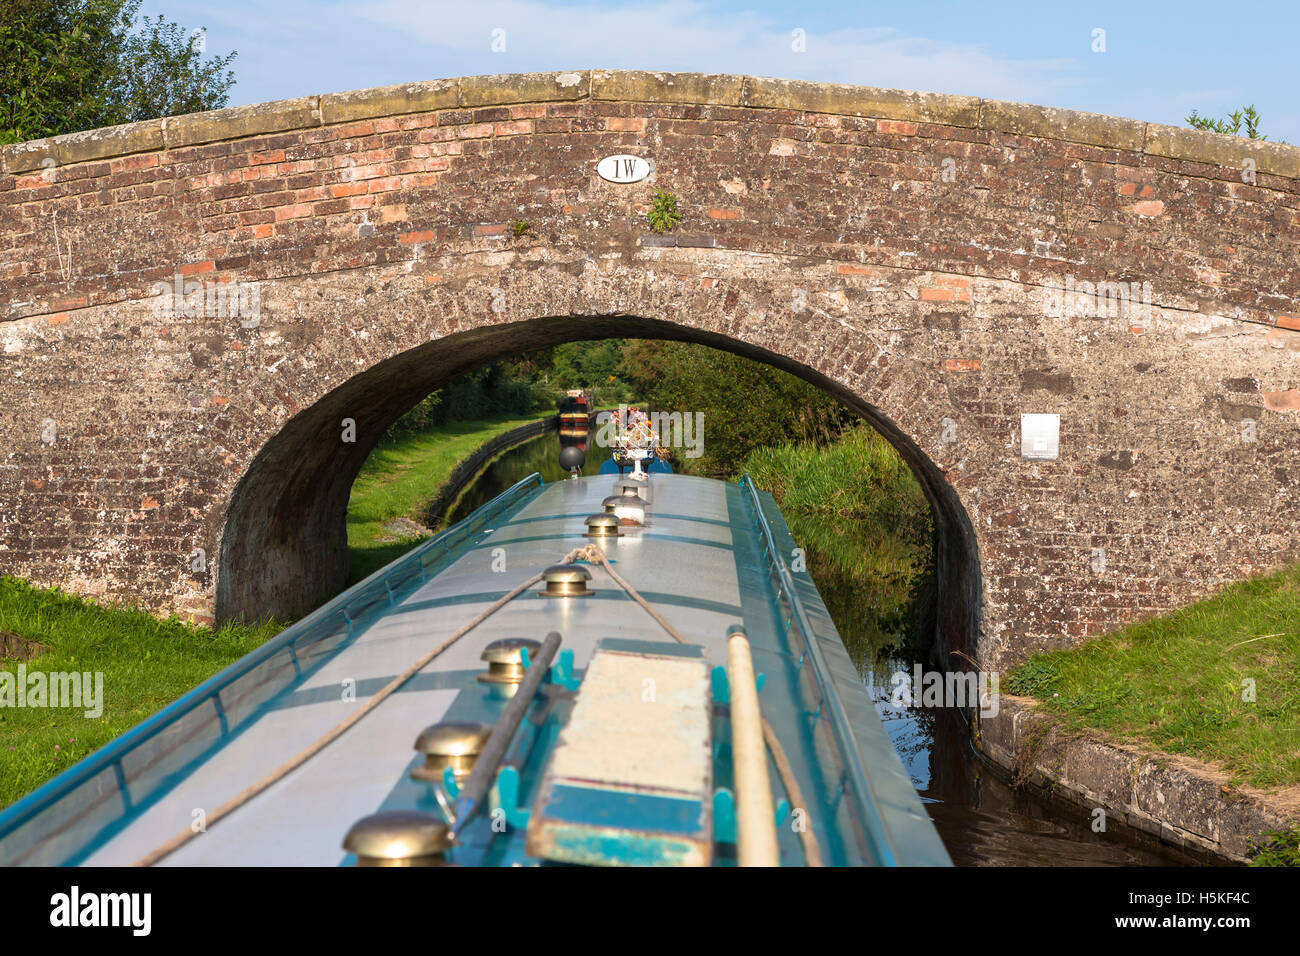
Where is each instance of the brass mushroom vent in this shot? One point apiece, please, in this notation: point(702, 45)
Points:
point(505, 659)
point(628, 509)
point(398, 838)
point(603, 525)
point(452, 743)
point(567, 580)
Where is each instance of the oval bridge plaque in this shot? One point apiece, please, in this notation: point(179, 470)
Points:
point(623, 169)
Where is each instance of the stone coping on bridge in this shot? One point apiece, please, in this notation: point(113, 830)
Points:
point(638, 86)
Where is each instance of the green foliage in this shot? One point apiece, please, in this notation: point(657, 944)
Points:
point(746, 404)
point(52, 56)
point(69, 65)
point(520, 228)
point(530, 384)
point(1231, 125)
point(663, 215)
point(866, 526)
point(860, 477)
point(593, 365)
point(1034, 677)
point(162, 73)
point(1280, 848)
point(494, 390)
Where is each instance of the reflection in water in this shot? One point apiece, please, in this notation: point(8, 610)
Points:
point(982, 820)
point(541, 454)
point(985, 822)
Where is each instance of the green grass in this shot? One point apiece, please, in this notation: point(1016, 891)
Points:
point(1176, 683)
point(147, 663)
point(399, 479)
point(856, 500)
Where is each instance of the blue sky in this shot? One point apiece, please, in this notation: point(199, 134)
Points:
point(1160, 61)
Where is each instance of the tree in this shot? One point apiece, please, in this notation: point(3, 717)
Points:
point(69, 65)
point(594, 365)
point(746, 404)
point(1231, 125)
point(163, 73)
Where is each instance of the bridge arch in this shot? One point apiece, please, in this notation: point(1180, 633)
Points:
point(945, 264)
point(284, 536)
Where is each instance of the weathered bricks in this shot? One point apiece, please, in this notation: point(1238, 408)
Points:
point(822, 225)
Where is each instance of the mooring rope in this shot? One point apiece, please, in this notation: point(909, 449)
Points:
point(296, 761)
point(591, 552)
point(811, 848)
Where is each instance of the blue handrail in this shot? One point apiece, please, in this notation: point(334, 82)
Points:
point(319, 623)
point(863, 795)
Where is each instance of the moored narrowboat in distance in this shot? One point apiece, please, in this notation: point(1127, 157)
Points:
point(575, 418)
point(612, 670)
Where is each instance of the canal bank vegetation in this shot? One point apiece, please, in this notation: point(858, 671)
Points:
point(493, 392)
point(1279, 848)
point(146, 664)
point(419, 452)
point(401, 476)
point(855, 508)
point(532, 384)
point(1218, 681)
point(742, 404)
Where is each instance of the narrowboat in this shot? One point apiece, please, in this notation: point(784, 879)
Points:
point(575, 418)
point(613, 670)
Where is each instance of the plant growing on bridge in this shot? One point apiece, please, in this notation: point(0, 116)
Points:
point(663, 215)
point(520, 228)
point(1232, 125)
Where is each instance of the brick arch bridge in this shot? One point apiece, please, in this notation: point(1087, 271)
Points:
point(927, 259)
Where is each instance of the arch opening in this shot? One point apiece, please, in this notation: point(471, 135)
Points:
point(283, 544)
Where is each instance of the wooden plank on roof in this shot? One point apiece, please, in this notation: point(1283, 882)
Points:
point(630, 781)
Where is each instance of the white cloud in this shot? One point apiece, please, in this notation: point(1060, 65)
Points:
point(692, 36)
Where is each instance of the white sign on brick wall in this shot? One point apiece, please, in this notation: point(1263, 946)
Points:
point(1040, 436)
point(623, 169)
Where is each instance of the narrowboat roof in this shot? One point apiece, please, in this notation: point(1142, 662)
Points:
point(709, 557)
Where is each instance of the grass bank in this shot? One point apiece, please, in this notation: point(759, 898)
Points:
point(1218, 681)
point(399, 479)
point(146, 664)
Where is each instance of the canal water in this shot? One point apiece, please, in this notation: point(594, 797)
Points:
point(982, 819)
point(541, 454)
